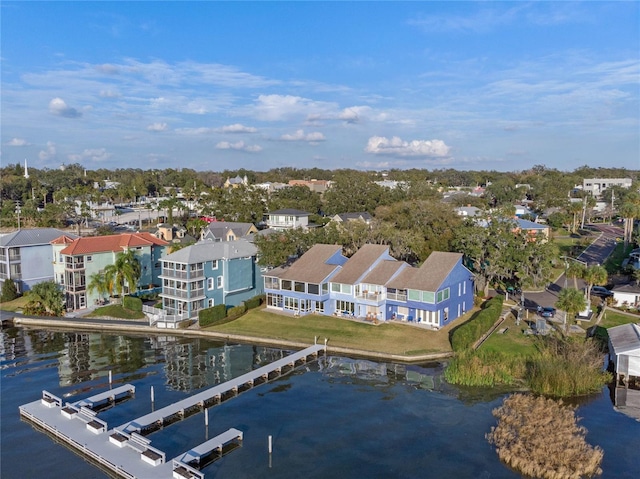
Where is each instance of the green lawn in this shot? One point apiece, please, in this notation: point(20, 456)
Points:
point(612, 318)
point(116, 311)
point(15, 305)
point(391, 338)
point(513, 340)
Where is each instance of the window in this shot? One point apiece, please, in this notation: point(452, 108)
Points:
point(345, 288)
point(320, 306)
point(443, 295)
point(214, 264)
point(428, 297)
point(210, 284)
point(345, 306)
point(325, 288)
point(285, 284)
point(464, 287)
point(414, 295)
point(220, 281)
point(335, 287)
point(313, 288)
point(299, 287)
point(211, 303)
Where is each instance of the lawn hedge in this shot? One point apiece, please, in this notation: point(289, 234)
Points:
point(464, 336)
point(211, 316)
point(254, 302)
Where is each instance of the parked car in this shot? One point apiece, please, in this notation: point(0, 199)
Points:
point(601, 291)
point(547, 311)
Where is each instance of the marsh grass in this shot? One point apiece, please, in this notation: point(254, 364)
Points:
point(540, 437)
point(485, 368)
point(567, 367)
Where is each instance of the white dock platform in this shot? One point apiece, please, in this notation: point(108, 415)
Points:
point(216, 394)
point(123, 450)
point(112, 395)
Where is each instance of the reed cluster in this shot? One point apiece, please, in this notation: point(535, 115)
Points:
point(485, 368)
point(540, 437)
point(567, 367)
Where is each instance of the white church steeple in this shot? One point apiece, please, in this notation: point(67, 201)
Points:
point(26, 172)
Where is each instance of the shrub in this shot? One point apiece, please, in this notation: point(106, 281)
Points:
point(254, 302)
point(9, 291)
point(237, 311)
point(540, 437)
point(132, 303)
point(211, 316)
point(464, 336)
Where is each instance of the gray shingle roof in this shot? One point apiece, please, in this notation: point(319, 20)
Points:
point(430, 276)
point(360, 263)
point(32, 237)
point(384, 271)
point(219, 229)
point(289, 211)
point(208, 250)
point(311, 267)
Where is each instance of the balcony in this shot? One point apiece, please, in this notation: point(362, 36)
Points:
point(169, 273)
point(74, 266)
point(397, 296)
point(371, 296)
point(75, 288)
point(183, 293)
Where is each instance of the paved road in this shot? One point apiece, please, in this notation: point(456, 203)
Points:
point(596, 253)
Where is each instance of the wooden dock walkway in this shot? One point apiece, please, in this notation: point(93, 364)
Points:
point(124, 450)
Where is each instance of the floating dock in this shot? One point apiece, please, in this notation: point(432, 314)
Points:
point(124, 450)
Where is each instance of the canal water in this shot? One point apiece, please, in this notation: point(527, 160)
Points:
point(335, 417)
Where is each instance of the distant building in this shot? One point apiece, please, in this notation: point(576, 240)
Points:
point(624, 351)
point(362, 216)
point(287, 219)
point(596, 186)
point(236, 182)
point(26, 256)
point(227, 231)
point(468, 211)
point(319, 186)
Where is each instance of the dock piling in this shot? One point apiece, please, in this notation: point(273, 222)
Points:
point(270, 444)
point(110, 379)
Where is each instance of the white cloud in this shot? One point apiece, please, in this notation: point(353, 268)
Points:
point(49, 153)
point(158, 127)
point(109, 93)
point(353, 114)
point(108, 69)
point(96, 155)
point(240, 146)
point(237, 128)
point(59, 107)
point(380, 145)
point(283, 107)
point(195, 131)
point(17, 142)
point(300, 135)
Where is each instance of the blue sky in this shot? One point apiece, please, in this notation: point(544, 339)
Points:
point(259, 85)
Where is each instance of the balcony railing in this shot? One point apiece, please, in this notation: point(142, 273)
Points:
point(74, 288)
point(182, 293)
point(169, 273)
point(74, 266)
point(374, 296)
point(397, 296)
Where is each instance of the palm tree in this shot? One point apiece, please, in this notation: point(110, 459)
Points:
point(594, 275)
point(572, 301)
point(575, 270)
point(100, 282)
point(125, 271)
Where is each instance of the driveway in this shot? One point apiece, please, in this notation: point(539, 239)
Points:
point(595, 254)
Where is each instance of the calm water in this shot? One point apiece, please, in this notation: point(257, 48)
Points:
point(337, 417)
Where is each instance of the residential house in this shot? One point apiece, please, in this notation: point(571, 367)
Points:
point(173, 234)
point(26, 256)
point(534, 231)
point(209, 273)
point(75, 261)
point(236, 182)
point(624, 351)
point(435, 294)
point(303, 287)
point(468, 211)
point(288, 218)
point(372, 285)
point(345, 217)
point(627, 294)
point(318, 186)
point(227, 231)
